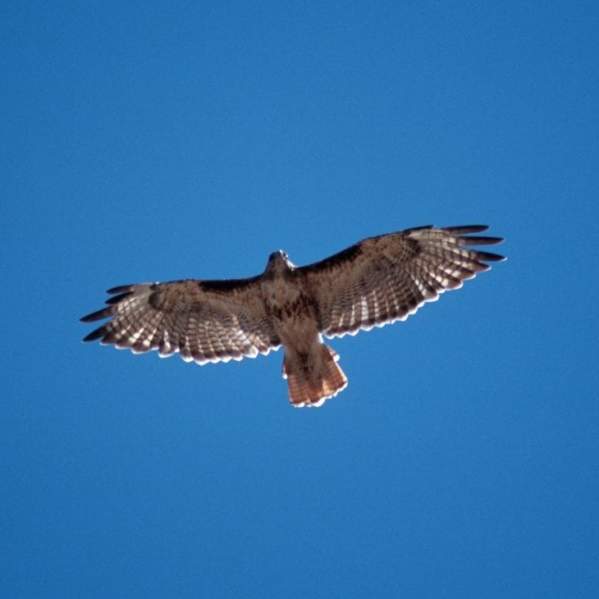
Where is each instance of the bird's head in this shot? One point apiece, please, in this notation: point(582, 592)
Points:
point(278, 262)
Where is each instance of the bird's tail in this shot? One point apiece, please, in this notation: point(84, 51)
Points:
point(314, 378)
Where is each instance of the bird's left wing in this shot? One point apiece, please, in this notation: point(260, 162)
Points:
point(384, 279)
point(205, 321)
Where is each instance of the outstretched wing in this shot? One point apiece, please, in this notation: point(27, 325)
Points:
point(384, 279)
point(205, 321)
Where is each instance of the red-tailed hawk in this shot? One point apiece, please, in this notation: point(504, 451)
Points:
point(375, 282)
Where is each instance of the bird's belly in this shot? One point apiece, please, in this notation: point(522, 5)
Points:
point(297, 334)
point(294, 317)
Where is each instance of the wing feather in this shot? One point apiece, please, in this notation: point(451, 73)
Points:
point(204, 321)
point(387, 278)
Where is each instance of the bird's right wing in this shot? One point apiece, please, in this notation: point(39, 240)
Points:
point(205, 321)
point(384, 279)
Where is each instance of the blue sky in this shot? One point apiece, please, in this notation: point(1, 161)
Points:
point(155, 141)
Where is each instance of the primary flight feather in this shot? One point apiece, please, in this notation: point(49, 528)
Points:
point(377, 281)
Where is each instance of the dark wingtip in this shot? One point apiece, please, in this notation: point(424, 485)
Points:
point(421, 228)
point(119, 289)
point(465, 229)
point(490, 257)
point(98, 315)
point(115, 299)
point(486, 240)
point(96, 334)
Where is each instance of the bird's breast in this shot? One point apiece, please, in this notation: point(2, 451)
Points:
point(293, 311)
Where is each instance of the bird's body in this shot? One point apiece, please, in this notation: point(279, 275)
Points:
point(374, 282)
point(309, 366)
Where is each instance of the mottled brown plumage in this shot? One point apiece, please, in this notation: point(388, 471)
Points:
point(375, 282)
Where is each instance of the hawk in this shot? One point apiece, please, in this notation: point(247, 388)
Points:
point(374, 282)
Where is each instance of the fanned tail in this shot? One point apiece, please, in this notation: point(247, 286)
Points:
point(315, 378)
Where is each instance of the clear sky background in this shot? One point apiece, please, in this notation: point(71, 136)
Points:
point(154, 141)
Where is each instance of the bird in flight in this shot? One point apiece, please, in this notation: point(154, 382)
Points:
point(374, 282)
